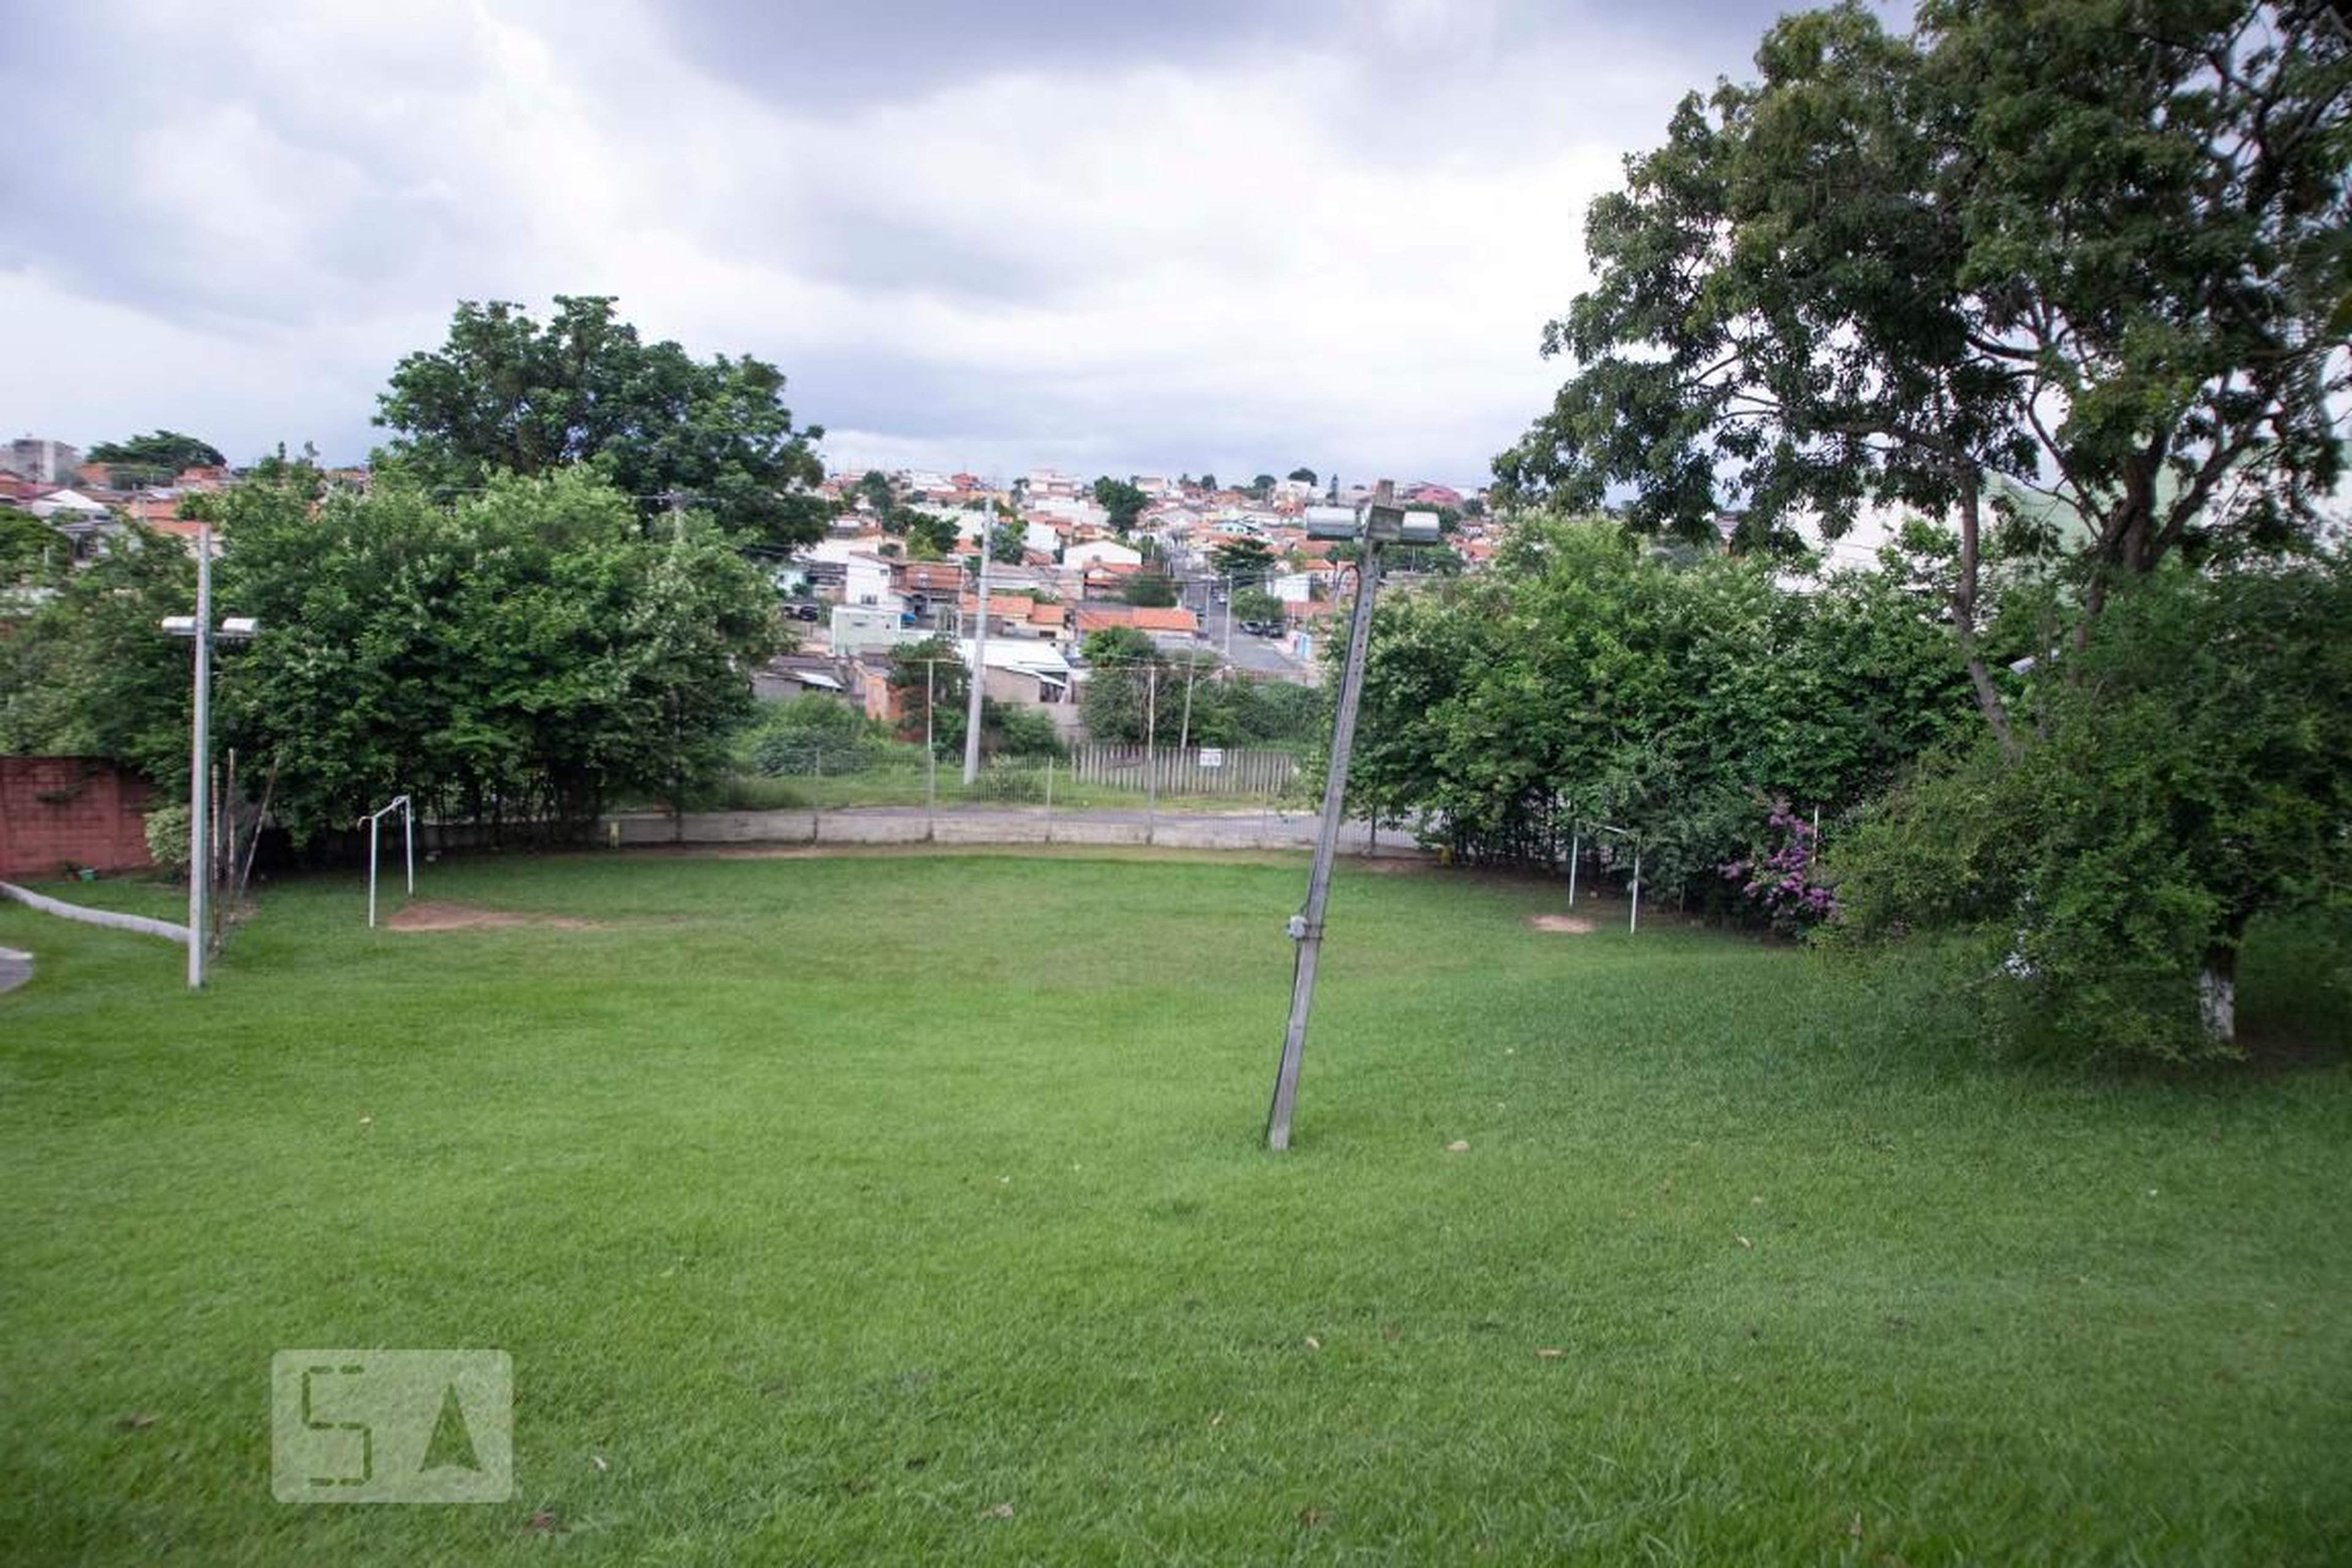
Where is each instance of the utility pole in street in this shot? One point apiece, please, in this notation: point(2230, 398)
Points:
point(978, 668)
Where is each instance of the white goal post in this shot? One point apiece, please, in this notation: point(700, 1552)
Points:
point(408, 837)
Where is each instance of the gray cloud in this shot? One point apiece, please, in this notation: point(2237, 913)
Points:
point(1229, 235)
point(815, 58)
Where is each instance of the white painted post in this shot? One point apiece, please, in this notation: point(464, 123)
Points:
point(199, 767)
point(978, 668)
point(373, 821)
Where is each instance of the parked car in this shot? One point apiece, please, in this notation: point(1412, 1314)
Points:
point(1254, 629)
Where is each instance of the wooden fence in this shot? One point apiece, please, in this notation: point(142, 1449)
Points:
point(1199, 771)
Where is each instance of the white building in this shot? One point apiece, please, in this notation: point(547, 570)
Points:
point(1101, 553)
point(51, 462)
point(866, 583)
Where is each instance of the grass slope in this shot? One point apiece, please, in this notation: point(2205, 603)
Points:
point(896, 1209)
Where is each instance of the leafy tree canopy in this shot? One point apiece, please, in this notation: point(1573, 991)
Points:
point(89, 675)
point(1122, 500)
point(30, 550)
point(507, 394)
point(1304, 476)
point(1585, 679)
point(930, 536)
point(156, 457)
point(1149, 590)
point(2194, 773)
point(1257, 605)
point(1245, 555)
point(2084, 248)
point(525, 653)
point(931, 683)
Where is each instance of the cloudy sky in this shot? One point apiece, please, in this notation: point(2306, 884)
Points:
point(1227, 236)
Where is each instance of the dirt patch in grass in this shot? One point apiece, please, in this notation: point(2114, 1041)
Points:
point(1575, 925)
point(434, 916)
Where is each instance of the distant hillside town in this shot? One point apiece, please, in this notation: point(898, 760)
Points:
point(1225, 573)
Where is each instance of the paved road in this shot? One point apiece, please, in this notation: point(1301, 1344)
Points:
point(1259, 655)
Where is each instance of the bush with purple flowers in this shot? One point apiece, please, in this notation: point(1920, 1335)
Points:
point(1782, 877)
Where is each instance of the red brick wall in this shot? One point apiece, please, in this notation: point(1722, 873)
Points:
point(56, 812)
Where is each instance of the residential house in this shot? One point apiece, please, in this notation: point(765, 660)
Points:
point(802, 675)
point(1177, 630)
point(1031, 673)
point(855, 631)
point(871, 582)
point(1101, 553)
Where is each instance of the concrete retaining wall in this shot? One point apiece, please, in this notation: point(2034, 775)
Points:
point(1242, 832)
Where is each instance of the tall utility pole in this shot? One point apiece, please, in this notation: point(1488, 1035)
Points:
point(1150, 747)
point(979, 667)
point(199, 626)
point(1382, 523)
point(200, 769)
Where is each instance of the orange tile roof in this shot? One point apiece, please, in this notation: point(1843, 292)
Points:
point(1149, 620)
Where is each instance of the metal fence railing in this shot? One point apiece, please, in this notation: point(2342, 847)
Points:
point(1195, 771)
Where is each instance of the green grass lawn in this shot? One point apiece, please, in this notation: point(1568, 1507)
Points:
point(900, 1209)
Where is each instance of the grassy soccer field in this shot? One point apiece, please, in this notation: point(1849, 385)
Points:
point(905, 1209)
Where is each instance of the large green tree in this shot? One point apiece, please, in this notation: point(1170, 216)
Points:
point(1122, 685)
point(155, 458)
point(2077, 251)
point(90, 674)
point(522, 655)
point(506, 393)
point(1587, 679)
point(2190, 771)
point(1244, 555)
point(1122, 500)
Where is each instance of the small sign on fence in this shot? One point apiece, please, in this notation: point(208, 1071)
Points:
point(1213, 756)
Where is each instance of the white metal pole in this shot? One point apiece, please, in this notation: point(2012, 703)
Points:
point(199, 767)
point(1150, 750)
point(374, 820)
point(978, 673)
point(408, 824)
point(1575, 853)
point(1633, 918)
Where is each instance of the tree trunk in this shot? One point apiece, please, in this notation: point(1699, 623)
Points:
point(2217, 993)
point(1963, 619)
